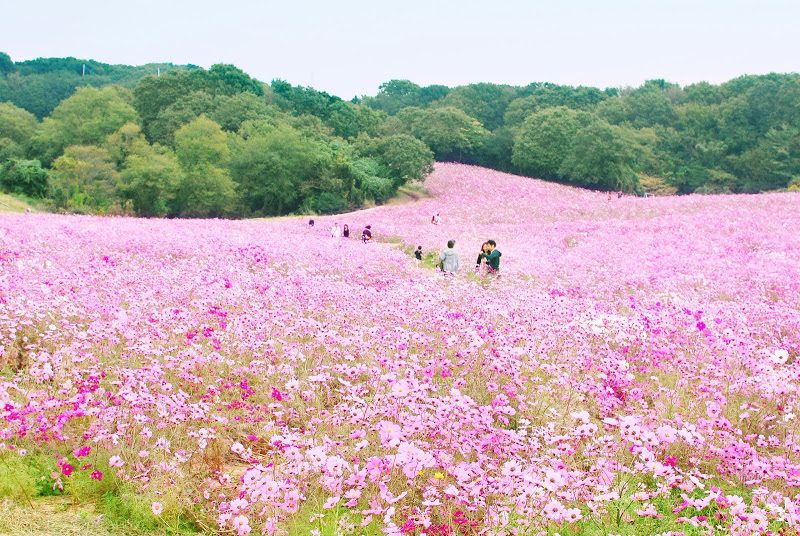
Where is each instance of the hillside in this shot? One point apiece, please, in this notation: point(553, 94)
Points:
point(633, 369)
point(275, 149)
point(39, 85)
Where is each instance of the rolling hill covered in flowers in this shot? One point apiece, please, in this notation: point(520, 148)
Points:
point(633, 370)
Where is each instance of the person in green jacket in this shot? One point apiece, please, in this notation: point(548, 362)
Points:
point(493, 257)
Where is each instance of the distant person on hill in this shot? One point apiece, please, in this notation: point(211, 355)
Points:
point(311, 223)
point(336, 231)
point(346, 231)
point(436, 219)
point(493, 257)
point(418, 253)
point(366, 234)
point(449, 258)
point(619, 194)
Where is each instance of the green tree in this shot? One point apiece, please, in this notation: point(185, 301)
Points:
point(602, 155)
point(485, 102)
point(6, 64)
point(271, 168)
point(230, 111)
point(771, 164)
point(405, 157)
point(395, 95)
point(17, 127)
point(545, 141)
point(184, 110)
point(206, 189)
point(84, 180)
point(150, 179)
point(26, 177)
point(349, 120)
point(16, 124)
point(86, 118)
point(451, 134)
point(124, 142)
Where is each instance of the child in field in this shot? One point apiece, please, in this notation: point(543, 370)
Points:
point(418, 253)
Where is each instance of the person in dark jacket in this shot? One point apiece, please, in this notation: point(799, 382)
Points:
point(346, 231)
point(493, 258)
point(418, 253)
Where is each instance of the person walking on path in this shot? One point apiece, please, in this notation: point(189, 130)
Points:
point(418, 253)
point(493, 257)
point(449, 258)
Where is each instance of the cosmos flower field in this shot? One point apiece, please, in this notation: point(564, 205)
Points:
point(633, 370)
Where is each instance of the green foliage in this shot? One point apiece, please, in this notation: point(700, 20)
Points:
point(545, 141)
point(405, 157)
point(154, 95)
point(244, 147)
point(270, 167)
point(86, 118)
point(16, 124)
point(17, 127)
point(451, 134)
point(84, 180)
point(25, 177)
point(206, 188)
point(150, 180)
point(602, 155)
point(201, 143)
point(39, 85)
point(125, 141)
point(485, 102)
point(349, 120)
point(6, 64)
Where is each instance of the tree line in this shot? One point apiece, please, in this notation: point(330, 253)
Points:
point(203, 143)
point(182, 141)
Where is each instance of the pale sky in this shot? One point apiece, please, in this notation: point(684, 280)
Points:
point(349, 47)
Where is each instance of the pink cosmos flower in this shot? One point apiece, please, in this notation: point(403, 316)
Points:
point(389, 431)
point(157, 508)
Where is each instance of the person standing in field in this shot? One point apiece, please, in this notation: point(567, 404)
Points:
point(493, 257)
point(346, 231)
point(418, 253)
point(336, 231)
point(366, 234)
point(449, 258)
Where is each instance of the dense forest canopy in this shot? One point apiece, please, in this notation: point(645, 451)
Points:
point(169, 140)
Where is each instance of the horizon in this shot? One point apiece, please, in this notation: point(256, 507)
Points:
point(348, 49)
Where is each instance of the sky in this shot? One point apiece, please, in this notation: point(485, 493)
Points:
point(350, 47)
